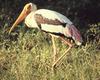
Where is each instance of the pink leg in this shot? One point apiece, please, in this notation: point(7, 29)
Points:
point(67, 43)
point(54, 49)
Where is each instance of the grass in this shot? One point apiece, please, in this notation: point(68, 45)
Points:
point(28, 56)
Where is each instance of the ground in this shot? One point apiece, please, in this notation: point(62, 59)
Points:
point(27, 55)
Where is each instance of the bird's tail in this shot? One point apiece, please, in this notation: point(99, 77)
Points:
point(74, 33)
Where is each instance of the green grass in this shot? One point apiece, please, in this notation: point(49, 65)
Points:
point(28, 56)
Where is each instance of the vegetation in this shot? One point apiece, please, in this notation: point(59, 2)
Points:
point(26, 54)
point(29, 57)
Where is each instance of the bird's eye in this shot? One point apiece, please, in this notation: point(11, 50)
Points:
point(28, 9)
point(29, 6)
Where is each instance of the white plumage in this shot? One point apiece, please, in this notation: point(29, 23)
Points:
point(53, 15)
point(52, 28)
point(51, 22)
point(30, 21)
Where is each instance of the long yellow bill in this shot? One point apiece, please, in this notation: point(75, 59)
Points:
point(19, 19)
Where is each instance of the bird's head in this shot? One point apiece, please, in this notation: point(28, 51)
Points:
point(26, 10)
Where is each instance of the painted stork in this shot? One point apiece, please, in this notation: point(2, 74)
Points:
point(50, 22)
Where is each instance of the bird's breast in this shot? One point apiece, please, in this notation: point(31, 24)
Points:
point(30, 21)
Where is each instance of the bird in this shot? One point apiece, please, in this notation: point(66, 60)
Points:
point(51, 22)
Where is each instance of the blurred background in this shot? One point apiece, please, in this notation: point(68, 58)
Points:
point(82, 13)
point(86, 11)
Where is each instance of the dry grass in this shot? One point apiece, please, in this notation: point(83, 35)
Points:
point(29, 57)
